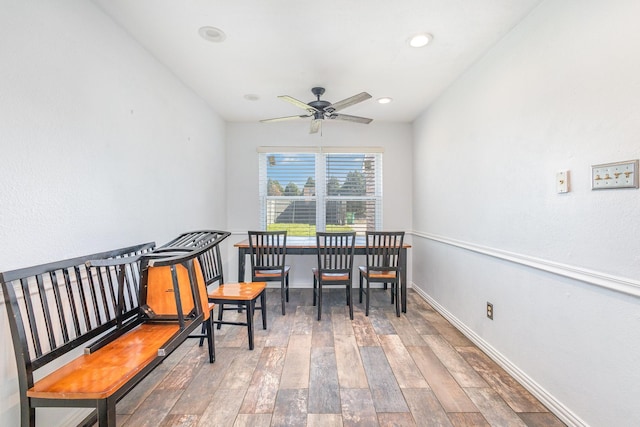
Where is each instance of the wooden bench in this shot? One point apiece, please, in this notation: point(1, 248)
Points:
point(128, 308)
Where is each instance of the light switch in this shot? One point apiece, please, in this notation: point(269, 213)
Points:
point(615, 175)
point(562, 182)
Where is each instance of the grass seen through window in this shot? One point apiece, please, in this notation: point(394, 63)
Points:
point(305, 230)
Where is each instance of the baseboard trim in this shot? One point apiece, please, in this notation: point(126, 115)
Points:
point(547, 399)
point(615, 283)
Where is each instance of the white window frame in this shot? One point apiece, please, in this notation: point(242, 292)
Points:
point(321, 154)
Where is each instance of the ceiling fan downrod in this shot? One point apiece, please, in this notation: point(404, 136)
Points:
point(318, 104)
point(317, 91)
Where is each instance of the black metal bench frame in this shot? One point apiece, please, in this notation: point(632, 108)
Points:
point(90, 301)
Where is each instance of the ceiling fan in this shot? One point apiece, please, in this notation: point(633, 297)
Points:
point(320, 109)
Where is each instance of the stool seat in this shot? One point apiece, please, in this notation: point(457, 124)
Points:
point(240, 294)
point(235, 291)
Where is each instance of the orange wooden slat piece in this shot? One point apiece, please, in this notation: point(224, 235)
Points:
point(271, 273)
point(103, 373)
point(327, 277)
point(238, 291)
point(377, 274)
point(160, 294)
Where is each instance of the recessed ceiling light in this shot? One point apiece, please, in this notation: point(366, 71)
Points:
point(212, 34)
point(420, 40)
point(251, 97)
point(384, 100)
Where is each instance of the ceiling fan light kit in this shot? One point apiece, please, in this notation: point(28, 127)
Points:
point(320, 109)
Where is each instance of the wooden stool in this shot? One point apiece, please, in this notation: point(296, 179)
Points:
point(241, 294)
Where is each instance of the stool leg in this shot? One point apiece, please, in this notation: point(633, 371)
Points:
point(315, 285)
point(367, 300)
point(263, 308)
point(349, 301)
point(106, 413)
point(210, 339)
point(204, 327)
point(249, 307)
point(319, 299)
point(203, 331)
point(282, 292)
point(287, 280)
point(220, 311)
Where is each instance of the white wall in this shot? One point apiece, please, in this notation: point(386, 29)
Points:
point(561, 91)
point(242, 175)
point(102, 147)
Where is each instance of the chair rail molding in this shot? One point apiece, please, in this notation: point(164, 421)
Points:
point(615, 283)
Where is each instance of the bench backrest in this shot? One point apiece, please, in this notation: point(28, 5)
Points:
point(56, 307)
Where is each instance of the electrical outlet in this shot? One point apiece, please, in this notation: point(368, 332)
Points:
point(615, 175)
point(490, 310)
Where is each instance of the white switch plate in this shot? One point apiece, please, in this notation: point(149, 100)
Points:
point(562, 182)
point(615, 175)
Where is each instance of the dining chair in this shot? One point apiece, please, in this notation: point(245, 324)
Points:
point(268, 250)
point(211, 267)
point(335, 265)
point(243, 295)
point(227, 296)
point(233, 296)
point(383, 251)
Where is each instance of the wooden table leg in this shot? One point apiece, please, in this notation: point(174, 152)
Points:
point(403, 280)
point(241, 264)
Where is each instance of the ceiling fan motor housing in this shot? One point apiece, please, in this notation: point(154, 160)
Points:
point(319, 105)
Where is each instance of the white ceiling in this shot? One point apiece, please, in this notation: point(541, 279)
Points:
point(286, 47)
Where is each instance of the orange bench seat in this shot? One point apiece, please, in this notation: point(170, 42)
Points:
point(101, 374)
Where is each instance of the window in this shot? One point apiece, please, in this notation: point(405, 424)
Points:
point(303, 190)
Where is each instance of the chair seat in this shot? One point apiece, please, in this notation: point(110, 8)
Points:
point(327, 277)
point(245, 295)
point(272, 273)
point(377, 274)
point(238, 291)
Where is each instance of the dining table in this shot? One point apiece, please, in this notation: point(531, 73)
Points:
point(303, 245)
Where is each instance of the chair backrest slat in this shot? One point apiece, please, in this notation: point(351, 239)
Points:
point(81, 287)
point(94, 307)
point(335, 251)
point(71, 298)
point(46, 312)
point(383, 249)
point(31, 318)
point(60, 306)
point(268, 249)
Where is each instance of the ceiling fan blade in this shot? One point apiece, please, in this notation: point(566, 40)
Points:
point(349, 118)
point(282, 119)
point(363, 96)
point(316, 125)
point(298, 103)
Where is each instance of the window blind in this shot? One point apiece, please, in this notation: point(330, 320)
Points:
point(302, 192)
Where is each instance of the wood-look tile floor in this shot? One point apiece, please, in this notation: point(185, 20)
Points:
point(380, 370)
